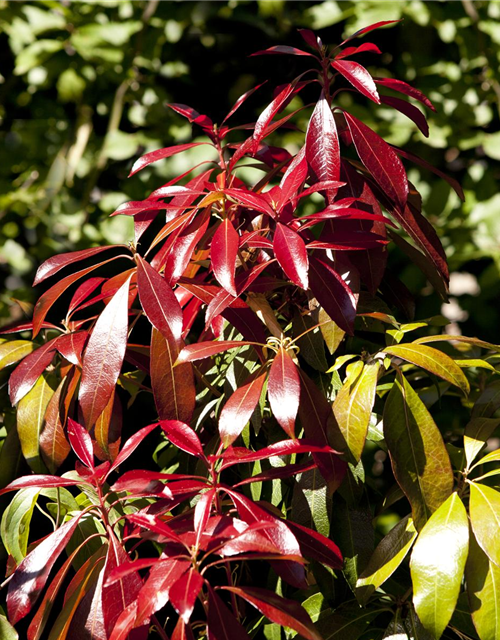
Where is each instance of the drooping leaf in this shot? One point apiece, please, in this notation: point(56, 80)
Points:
point(156, 590)
point(239, 408)
point(183, 593)
point(316, 546)
point(221, 623)
point(16, 519)
point(31, 575)
point(483, 586)
point(322, 144)
point(282, 611)
point(107, 429)
point(51, 266)
point(81, 443)
point(223, 253)
point(173, 386)
point(183, 437)
point(419, 459)
point(484, 508)
point(389, 554)
point(380, 160)
point(410, 111)
point(359, 77)
point(431, 360)
point(284, 391)
point(437, 564)
point(403, 87)
point(104, 355)
point(158, 300)
point(353, 407)
point(291, 253)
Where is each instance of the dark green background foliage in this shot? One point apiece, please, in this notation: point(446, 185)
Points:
point(83, 92)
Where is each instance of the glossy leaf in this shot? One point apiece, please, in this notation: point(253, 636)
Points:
point(222, 625)
point(353, 407)
point(31, 368)
point(239, 408)
point(159, 154)
point(431, 360)
point(483, 586)
point(131, 445)
point(237, 455)
point(183, 437)
point(81, 443)
point(224, 251)
point(12, 352)
point(404, 87)
point(437, 564)
point(53, 265)
point(283, 390)
point(484, 508)
point(316, 546)
point(173, 386)
point(410, 111)
point(419, 458)
point(380, 160)
point(389, 554)
point(183, 593)
point(158, 301)
point(104, 355)
point(31, 575)
point(359, 77)
point(290, 251)
point(477, 432)
point(322, 144)
point(202, 350)
point(16, 520)
point(156, 590)
point(282, 611)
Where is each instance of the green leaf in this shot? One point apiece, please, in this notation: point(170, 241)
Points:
point(437, 564)
point(431, 360)
point(386, 558)
point(11, 352)
point(493, 456)
point(488, 402)
point(477, 431)
point(419, 458)
point(16, 519)
point(311, 503)
point(483, 588)
point(484, 508)
point(30, 417)
point(35, 54)
point(346, 623)
point(7, 631)
point(353, 406)
point(312, 347)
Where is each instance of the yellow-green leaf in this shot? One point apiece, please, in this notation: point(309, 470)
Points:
point(483, 588)
point(353, 406)
point(418, 454)
point(484, 508)
point(386, 558)
point(431, 360)
point(477, 431)
point(437, 565)
point(11, 352)
point(488, 402)
point(331, 332)
point(16, 520)
point(476, 362)
point(465, 339)
point(493, 456)
point(30, 417)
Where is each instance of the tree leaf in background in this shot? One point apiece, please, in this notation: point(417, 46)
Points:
point(419, 458)
point(437, 564)
point(483, 586)
point(389, 554)
point(484, 508)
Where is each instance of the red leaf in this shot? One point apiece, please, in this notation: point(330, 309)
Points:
point(369, 28)
point(131, 445)
point(291, 253)
point(154, 156)
point(182, 631)
point(380, 160)
point(70, 346)
point(316, 546)
point(241, 100)
point(268, 114)
point(293, 178)
point(154, 524)
point(31, 575)
point(184, 592)
point(322, 144)
point(47, 299)
point(250, 541)
point(56, 263)
point(183, 247)
point(283, 390)
point(29, 370)
point(282, 49)
point(404, 87)
point(410, 111)
point(104, 356)
point(223, 253)
point(155, 593)
point(332, 293)
point(221, 623)
point(251, 200)
point(182, 436)
point(202, 350)
point(238, 409)
point(279, 473)
point(158, 300)
point(202, 512)
point(359, 77)
point(237, 455)
point(311, 38)
point(282, 611)
point(81, 443)
point(363, 48)
point(173, 386)
point(41, 481)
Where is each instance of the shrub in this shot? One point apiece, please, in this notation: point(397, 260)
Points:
point(299, 335)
